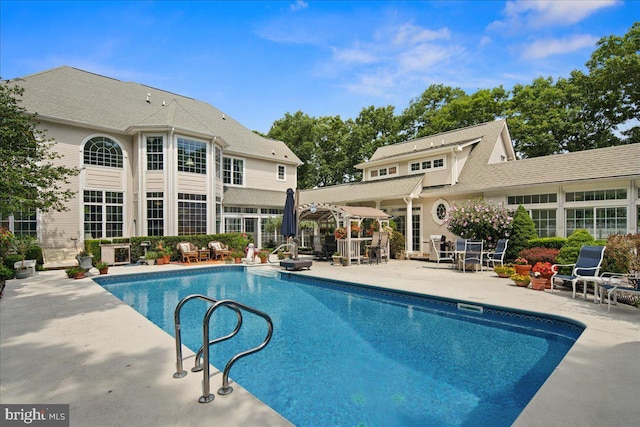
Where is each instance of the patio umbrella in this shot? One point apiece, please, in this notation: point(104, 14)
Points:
point(289, 227)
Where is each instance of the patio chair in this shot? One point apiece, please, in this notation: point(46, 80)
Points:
point(330, 245)
point(384, 246)
point(618, 283)
point(318, 249)
point(441, 254)
point(219, 250)
point(472, 255)
point(497, 256)
point(187, 251)
point(586, 267)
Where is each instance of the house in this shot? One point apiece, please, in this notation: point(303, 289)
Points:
point(417, 181)
point(152, 162)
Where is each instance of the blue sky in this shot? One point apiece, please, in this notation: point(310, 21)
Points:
point(257, 60)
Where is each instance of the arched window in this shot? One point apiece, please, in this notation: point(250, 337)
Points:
point(439, 211)
point(102, 151)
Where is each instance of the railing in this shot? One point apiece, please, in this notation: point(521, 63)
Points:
point(203, 352)
point(353, 251)
point(289, 246)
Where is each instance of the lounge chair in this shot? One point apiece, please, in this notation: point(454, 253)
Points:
point(330, 245)
point(472, 255)
point(188, 252)
point(219, 250)
point(318, 248)
point(497, 256)
point(618, 283)
point(586, 267)
point(441, 255)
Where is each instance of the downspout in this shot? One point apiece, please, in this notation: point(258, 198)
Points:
point(409, 229)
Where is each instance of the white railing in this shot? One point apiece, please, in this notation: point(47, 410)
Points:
point(352, 248)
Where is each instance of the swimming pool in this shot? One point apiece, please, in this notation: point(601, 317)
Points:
point(344, 354)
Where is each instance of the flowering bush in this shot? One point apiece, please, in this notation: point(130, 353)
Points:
point(544, 269)
point(340, 233)
point(521, 261)
point(479, 220)
point(6, 242)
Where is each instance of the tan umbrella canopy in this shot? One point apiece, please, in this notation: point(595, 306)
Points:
point(341, 214)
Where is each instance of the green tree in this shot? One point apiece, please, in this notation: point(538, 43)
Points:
point(523, 229)
point(29, 179)
point(416, 120)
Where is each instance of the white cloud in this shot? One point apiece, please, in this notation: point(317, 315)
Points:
point(545, 13)
point(412, 34)
point(299, 5)
point(354, 56)
point(545, 48)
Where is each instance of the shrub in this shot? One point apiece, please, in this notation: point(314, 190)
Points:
point(539, 254)
point(547, 242)
point(480, 220)
point(523, 229)
point(396, 244)
point(570, 251)
point(622, 254)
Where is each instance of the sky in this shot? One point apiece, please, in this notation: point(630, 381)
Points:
point(258, 60)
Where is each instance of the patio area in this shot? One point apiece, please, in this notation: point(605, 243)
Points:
point(70, 341)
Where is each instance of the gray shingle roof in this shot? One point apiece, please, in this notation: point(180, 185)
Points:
point(253, 197)
point(355, 192)
point(87, 99)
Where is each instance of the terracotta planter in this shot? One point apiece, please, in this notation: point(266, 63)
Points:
point(539, 283)
point(503, 275)
point(167, 259)
point(263, 260)
point(160, 261)
point(523, 269)
point(79, 275)
point(521, 284)
point(238, 260)
point(104, 270)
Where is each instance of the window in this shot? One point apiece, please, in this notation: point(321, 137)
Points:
point(425, 165)
point(103, 213)
point(155, 159)
point(532, 199)
point(281, 173)
point(218, 156)
point(233, 225)
point(387, 171)
point(600, 222)
point(155, 214)
point(192, 214)
point(192, 156)
point(545, 222)
point(21, 223)
point(232, 171)
point(439, 211)
point(102, 151)
point(581, 196)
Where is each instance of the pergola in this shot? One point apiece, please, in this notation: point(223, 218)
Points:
point(345, 216)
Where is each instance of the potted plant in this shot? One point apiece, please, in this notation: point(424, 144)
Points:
point(522, 266)
point(264, 255)
point(337, 258)
point(103, 267)
point(522, 280)
point(22, 244)
point(151, 257)
point(541, 275)
point(167, 252)
point(237, 256)
point(75, 272)
point(340, 233)
point(85, 260)
point(504, 271)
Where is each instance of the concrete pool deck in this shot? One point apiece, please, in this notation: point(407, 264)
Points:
point(70, 341)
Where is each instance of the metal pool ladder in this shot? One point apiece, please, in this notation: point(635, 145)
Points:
point(203, 352)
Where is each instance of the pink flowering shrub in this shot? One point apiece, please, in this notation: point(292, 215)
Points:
point(479, 220)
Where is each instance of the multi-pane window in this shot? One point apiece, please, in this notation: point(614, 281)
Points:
point(545, 222)
point(21, 223)
point(233, 225)
point(532, 199)
point(232, 171)
point(192, 156)
point(612, 194)
point(155, 213)
point(600, 222)
point(218, 157)
point(192, 214)
point(155, 158)
point(391, 170)
point(427, 165)
point(281, 172)
point(103, 213)
point(102, 151)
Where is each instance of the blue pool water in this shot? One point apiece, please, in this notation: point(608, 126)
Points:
point(348, 355)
